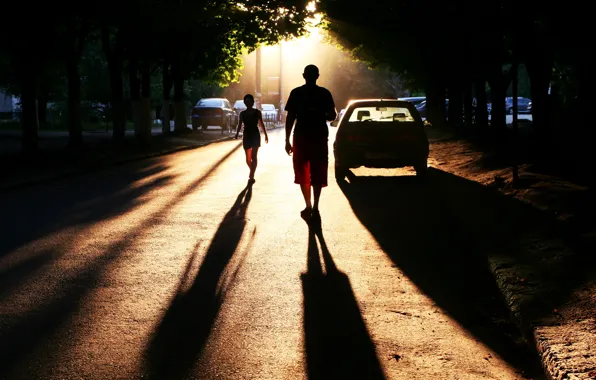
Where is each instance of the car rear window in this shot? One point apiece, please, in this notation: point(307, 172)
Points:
point(381, 114)
point(210, 103)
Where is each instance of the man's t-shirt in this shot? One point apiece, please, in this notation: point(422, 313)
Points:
point(311, 104)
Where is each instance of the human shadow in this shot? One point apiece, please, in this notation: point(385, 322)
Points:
point(338, 345)
point(440, 233)
point(184, 329)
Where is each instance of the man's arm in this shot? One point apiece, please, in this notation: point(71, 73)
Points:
point(290, 119)
point(331, 113)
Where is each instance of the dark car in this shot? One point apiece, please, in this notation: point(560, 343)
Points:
point(214, 112)
point(378, 133)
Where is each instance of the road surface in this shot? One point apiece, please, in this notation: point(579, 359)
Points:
point(172, 268)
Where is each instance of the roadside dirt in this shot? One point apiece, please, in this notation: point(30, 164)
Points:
point(550, 286)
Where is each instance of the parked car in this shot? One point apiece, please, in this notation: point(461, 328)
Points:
point(239, 106)
point(378, 133)
point(421, 108)
point(414, 99)
point(214, 112)
point(522, 105)
point(269, 112)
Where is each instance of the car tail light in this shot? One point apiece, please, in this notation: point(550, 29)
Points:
point(194, 111)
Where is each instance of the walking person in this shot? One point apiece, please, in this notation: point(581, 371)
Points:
point(252, 119)
point(310, 106)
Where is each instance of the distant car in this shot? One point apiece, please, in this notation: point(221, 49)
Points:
point(214, 112)
point(421, 107)
point(378, 133)
point(239, 106)
point(269, 112)
point(414, 99)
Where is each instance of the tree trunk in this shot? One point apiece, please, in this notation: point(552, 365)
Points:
point(42, 106)
point(167, 89)
point(539, 72)
point(179, 108)
point(135, 94)
point(454, 110)
point(468, 109)
point(498, 119)
point(587, 78)
point(481, 104)
point(29, 120)
point(435, 103)
point(76, 36)
point(114, 57)
point(145, 104)
point(75, 127)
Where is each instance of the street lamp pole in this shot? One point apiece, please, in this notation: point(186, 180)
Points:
point(281, 81)
point(258, 78)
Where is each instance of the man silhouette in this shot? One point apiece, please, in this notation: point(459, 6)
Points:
point(311, 107)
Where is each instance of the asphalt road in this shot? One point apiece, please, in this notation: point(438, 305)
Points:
point(172, 268)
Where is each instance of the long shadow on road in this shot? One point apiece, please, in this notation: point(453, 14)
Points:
point(434, 233)
point(338, 345)
point(181, 335)
point(24, 333)
point(37, 211)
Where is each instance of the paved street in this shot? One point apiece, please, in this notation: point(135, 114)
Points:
point(171, 268)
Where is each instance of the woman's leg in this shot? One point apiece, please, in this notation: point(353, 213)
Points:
point(248, 153)
point(253, 167)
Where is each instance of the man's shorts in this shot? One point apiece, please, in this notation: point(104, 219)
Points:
point(311, 160)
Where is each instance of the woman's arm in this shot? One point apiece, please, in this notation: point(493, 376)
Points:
point(239, 124)
point(263, 127)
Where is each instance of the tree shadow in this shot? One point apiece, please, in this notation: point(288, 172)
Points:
point(338, 345)
point(440, 233)
point(37, 211)
point(183, 331)
point(23, 333)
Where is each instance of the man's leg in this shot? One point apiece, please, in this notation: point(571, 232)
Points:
point(316, 189)
point(305, 188)
point(302, 176)
point(319, 167)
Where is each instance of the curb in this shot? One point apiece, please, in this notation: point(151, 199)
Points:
point(69, 173)
point(565, 347)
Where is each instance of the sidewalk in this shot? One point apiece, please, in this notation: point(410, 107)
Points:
point(550, 284)
point(100, 152)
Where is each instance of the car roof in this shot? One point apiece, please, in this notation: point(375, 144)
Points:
point(353, 102)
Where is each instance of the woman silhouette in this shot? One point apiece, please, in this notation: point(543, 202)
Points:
point(251, 138)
